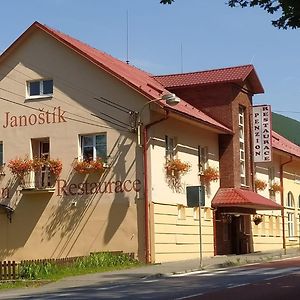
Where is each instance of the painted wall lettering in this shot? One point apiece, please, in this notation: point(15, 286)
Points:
point(43, 117)
point(262, 133)
point(91, 188)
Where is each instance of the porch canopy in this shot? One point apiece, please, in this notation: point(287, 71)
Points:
point(243, 201)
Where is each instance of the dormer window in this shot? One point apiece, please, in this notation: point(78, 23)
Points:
point(39, 89)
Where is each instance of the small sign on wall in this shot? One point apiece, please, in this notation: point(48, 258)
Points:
point(195, 196)
point(262, 133)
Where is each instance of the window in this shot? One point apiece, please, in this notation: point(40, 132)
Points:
point(242, 145)
point(202, 158)
point(170, 147)
point(93, 146)
point(39, 88)
point(290, 200)
point(290, 224)
point(277, 224)
point(271, 174)
point(271, 227)
point(1, 154)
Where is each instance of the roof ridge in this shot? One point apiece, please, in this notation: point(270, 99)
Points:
point(204, 71)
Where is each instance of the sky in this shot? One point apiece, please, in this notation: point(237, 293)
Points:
point(187, 36)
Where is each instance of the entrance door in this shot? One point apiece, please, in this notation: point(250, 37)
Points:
point(240, 237)
point(233, 234)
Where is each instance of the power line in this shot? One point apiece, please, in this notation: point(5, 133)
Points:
point(68, 83)
point(72, 119)
point(124, 109)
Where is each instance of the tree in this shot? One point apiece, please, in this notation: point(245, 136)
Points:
point(289, 9)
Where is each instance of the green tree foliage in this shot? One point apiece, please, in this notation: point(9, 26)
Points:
point(289, 10)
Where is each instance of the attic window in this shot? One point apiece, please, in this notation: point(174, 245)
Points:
point(39, 88)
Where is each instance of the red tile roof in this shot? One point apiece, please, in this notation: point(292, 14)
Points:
point(232, 74)
point(234, 197)
point(281, 143)
point(137, 79)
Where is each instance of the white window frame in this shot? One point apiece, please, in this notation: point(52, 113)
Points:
point(170, 147)
point(202, 158)
point(242, 146)
point(290, 200)
point(291, 224)
point(41, 94)
point(82, 146)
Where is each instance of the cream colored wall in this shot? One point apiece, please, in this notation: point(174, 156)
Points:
point(47, 225)
point(177, 235)
point(188, 137)
point(176, 227)
point(263, 238)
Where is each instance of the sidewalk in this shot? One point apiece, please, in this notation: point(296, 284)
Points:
point(154, 270)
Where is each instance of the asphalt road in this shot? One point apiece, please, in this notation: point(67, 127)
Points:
point(273, 280)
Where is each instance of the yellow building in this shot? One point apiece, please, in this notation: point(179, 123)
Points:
point(95, 157)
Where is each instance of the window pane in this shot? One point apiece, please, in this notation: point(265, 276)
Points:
point(101, 146)
point(47, 87)
point(87, 140)
point(1, 153)
point(87, 153)
point(34, 88)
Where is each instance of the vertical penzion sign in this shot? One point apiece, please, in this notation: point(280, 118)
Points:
point(262, 133)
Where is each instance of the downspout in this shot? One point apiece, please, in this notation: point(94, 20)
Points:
point(145, 162)
point(282, 203)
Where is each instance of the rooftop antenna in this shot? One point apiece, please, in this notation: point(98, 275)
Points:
point(181, 58)
point(127, 39)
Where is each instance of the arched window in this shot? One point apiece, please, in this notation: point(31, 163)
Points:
point(290, 200)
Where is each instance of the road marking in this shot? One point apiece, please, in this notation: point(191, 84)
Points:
point(252, 271)
point(237, 285)
point(281, 271)
point(188, 274)
point(110, 287)
point(153, 280)
point(189, 296)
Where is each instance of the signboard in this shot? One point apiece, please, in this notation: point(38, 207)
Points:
point(262, 133)
point(195, 195)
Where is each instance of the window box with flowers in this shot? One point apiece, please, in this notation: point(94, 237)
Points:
point(275, 187)
point(257, 219)
point(36, 173)
point(209, 174)
point(260, 185)
point(175, 169)
point(89, 166)
point(20, 167)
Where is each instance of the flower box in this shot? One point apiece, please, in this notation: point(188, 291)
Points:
point(257, 219)
point(260, 185)
point(210, 174)
point(90, 166)
point(275, 187)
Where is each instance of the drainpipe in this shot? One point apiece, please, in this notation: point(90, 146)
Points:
point(282, 203)
point(145, 162)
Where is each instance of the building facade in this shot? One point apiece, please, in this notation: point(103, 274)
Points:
point(93, 159)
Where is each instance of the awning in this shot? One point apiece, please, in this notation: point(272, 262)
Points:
point(234, 197)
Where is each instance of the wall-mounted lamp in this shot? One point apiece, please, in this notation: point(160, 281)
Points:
point(170, 99)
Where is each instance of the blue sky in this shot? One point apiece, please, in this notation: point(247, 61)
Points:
point(210, 34)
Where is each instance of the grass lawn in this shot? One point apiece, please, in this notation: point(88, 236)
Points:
point(36, 274)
